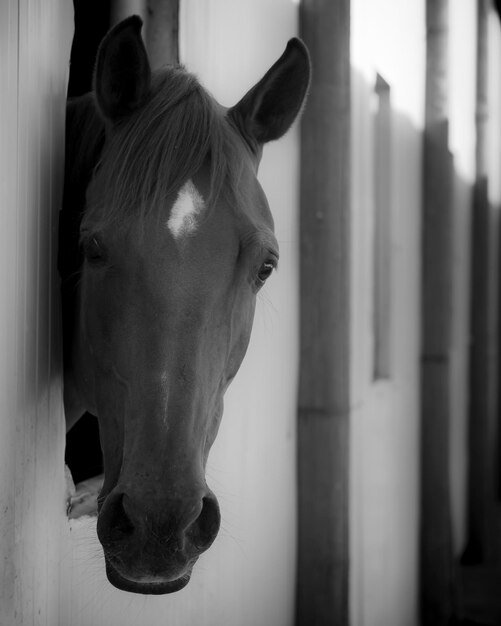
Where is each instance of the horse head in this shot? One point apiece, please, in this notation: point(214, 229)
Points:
point(177, 238)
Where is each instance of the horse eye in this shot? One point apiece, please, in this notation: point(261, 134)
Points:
point(265, 271)
point(93, 250)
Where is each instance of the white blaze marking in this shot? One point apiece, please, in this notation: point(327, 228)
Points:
point(183, 216)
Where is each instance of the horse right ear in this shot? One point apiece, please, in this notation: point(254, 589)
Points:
point(122, 74)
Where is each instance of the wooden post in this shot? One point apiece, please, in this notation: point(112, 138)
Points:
point(436, 575)
point(162, 32)
point(324, 397)
point(483, 537)
point(121, 9)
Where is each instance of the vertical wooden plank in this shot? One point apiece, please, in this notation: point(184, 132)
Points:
point(161, 26)
point(121, 9)
point(162, 32)
point(324, 398)
point(436, 539)
point(483, 536)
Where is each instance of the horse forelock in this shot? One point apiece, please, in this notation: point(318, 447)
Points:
point(149, 156)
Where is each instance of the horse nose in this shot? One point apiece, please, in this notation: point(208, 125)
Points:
point(188, 524)
point(203, 530)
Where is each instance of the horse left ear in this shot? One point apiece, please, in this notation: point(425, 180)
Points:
point(267, 111)
point(122, 75)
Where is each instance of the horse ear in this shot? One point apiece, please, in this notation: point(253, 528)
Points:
point(122, 74)
point(267, 111)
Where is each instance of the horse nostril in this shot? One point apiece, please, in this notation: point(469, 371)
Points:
point(204, 529)
point(120, 523)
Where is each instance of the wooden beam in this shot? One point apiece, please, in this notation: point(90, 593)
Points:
point(162, 32)
point(484, 545)
point(324, 395)
point(436, 570)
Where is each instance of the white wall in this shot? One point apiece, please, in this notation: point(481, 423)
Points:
point(34, 53)
point(247, 577)
point(8, 323)
point(384, 512)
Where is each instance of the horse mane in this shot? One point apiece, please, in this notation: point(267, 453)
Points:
point(150, 154)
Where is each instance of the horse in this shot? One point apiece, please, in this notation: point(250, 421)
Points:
point(166, 237)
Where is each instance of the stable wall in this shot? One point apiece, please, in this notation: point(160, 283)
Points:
point(34, 53)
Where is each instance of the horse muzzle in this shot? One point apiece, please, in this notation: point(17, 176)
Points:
point(150, 546)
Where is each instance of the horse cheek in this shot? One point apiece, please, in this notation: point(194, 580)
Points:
point(242, 322)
